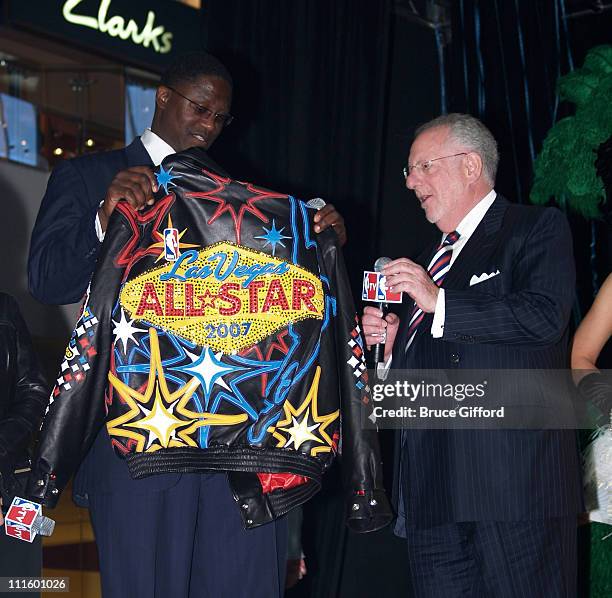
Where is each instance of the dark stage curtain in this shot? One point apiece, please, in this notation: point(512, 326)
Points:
point(503, 64)
point(309, 78)
point(309, 85)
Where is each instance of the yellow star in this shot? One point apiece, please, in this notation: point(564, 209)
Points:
point(160, 244)
point(160, 423)
point(299, 431)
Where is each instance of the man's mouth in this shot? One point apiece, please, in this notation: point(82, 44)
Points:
point(200, 138)
point(423, 199)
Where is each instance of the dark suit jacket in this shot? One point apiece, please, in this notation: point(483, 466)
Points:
point(515, 320)
point(64, 246)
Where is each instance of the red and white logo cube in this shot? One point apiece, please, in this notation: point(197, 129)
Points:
point(375, 289)
point(20, 517)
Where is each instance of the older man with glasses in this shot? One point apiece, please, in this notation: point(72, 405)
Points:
point(485, 512)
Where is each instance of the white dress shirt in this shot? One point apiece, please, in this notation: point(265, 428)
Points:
point(465, 229)
point(157, 149)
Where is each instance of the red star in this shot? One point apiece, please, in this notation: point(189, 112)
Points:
point(248, 206)
point(279, 345)
point(129, 254)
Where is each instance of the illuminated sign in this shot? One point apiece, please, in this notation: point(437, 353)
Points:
point(145, 33)
point(226, 296)
point(117, 26)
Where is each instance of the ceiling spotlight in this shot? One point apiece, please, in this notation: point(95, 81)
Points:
point(89, 142)
point(58, 151)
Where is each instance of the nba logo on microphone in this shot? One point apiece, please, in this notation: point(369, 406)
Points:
point(375, 289)
point(171, 244)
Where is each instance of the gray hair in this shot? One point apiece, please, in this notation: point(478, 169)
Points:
point(473, 135)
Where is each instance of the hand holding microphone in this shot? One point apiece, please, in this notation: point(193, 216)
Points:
point(405, 276)
point(379, 327)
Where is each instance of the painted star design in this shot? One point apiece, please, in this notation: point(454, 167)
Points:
point(124, 331)
point(248, 193)
point(164, 178)
point(161, 426)
point(208, 369)
point(160, 422)
point(301, 432)
point(298, 431)
point(273, 237)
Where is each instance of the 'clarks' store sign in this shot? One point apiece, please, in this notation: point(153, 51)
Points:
point(139, 31)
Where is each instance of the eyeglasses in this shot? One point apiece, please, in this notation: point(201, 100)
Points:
point(426, 165)
point(219, 117)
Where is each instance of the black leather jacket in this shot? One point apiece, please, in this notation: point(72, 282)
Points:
point(224, 337)
point(23, 394)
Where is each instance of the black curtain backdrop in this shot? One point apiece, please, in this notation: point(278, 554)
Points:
point(309, 100)
point(309, 79)
point(503, 65)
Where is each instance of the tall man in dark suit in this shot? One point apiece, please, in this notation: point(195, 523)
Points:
point(485, 512)
point(193, 104)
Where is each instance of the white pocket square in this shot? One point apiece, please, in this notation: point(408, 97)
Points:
point(484, 276)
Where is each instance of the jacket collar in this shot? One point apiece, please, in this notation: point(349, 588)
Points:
point(137, 155)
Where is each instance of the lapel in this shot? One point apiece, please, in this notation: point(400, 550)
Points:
point(477, 250)
point(137, 155)
point(472, 259)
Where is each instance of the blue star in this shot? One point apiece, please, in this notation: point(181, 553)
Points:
point(165, 178)
point(273, 236)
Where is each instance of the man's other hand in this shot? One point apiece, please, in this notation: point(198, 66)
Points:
point(375, 327)
point(136, 185)
point(328, 216)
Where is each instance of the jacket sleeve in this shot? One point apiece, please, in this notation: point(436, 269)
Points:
point(367, 504)
point(64, 246)
point(77, 408)
point(27, 403)
point(537, 309)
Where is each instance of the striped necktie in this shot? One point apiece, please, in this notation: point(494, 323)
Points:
point(437, 269)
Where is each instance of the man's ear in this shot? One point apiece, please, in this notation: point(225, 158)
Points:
point(162, 95)
point(473, 165)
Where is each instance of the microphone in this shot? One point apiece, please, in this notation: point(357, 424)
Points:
point(24, 520)
point(378, 350)
point(316, 203)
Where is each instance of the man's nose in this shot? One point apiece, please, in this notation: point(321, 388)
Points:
point(412, 179)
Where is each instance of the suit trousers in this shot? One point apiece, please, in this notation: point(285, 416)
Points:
point(185, 541)
point(494, 559)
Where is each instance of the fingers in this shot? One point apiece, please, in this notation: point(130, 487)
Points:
point(135, 185)
point(328, 216)
point(373, 325)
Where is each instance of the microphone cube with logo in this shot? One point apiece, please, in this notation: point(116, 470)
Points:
point(375, 289)
point(24, 519)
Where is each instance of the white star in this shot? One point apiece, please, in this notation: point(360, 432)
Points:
point(301, 432)
point(124, 331)
point(160, 422)
point(208, 368)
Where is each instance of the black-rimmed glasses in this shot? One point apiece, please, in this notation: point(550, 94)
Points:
point(220, 117)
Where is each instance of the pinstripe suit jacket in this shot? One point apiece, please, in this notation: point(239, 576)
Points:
point(515, 320)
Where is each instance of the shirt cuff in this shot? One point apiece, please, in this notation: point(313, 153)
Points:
point(437, 326)
point(99, 232)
